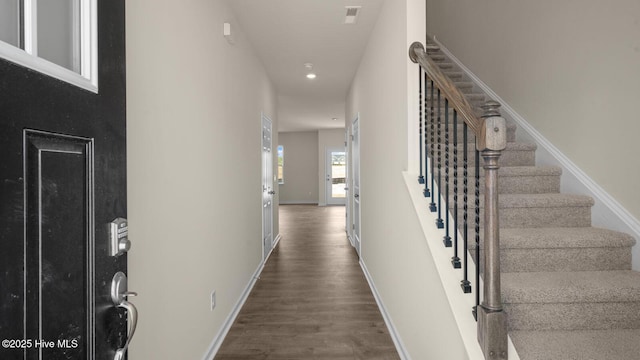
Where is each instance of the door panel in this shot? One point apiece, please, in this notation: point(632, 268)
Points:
point(349, 185)
point(59, 241)
point(63, 179)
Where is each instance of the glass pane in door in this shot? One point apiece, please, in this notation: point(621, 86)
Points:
point(10, 22)
point(59, 32)
point(338, 174)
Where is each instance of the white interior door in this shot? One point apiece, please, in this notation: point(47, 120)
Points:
point(355, 156)
point(349, 186)
point(335, 176)
point(267, 187)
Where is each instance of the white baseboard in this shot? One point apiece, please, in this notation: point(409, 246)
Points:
point(277, 240)
point(273, 247)
point(222, 333)
point(607, 211)
point(397, 341)
point(219, 338)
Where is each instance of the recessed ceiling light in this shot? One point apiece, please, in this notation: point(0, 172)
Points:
point(310, 74)
point(334, 119)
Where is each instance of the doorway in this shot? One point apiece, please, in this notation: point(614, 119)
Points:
point(335, 176)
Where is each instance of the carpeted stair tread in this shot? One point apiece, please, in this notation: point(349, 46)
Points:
point(514, 171)
point(562, 249)
point(555, 200)
point(614, 344)
point(561, 238)
point(544, 200)
point(571, 287)
point(558, 238)
point(512, 179)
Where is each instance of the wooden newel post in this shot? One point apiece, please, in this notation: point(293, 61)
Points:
point(492, 326)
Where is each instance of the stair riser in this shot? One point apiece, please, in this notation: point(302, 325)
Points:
point(564, 259)
point(573, 316)
point(533, 217)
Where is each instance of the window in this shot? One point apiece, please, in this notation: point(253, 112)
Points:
point(280, 164)
point(54, 37)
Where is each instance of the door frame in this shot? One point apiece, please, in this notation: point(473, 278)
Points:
point(354, 196)
point(267, 185)
point(348, 203)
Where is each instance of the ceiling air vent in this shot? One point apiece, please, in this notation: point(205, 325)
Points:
point(352, 14)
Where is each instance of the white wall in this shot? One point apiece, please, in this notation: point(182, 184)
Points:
point(570, 68)
point(300, 167)
point(333, 138)
point(194, 171)
point(393, 244)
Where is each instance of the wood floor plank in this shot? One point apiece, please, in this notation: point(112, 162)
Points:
point(312, 300)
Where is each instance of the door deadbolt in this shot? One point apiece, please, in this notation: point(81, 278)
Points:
point(119, 237)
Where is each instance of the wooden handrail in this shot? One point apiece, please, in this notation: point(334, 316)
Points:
point(456, 98)
point(490, 139)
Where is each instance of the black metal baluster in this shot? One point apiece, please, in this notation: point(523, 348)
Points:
point(447, 236)
point(455, 260)
point(439, 222)
point(426, 191)
point(420, 100)
point(477, 228)
point(432, 205)
point(465, 284)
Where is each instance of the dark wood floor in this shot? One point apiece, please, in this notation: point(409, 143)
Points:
point(312, 300)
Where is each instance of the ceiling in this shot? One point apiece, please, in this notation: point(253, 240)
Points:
point(286, 34)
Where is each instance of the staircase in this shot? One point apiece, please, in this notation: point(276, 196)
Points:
point(567, 287)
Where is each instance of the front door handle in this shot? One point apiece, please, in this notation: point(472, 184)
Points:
point(119, 295)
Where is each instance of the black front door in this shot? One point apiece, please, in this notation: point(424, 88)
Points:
point(63, 180)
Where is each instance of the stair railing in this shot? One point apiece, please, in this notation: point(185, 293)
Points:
point(438, 144)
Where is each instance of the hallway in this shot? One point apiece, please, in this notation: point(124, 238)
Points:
point(312, 300)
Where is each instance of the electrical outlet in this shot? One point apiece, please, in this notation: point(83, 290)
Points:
point(213, 300)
